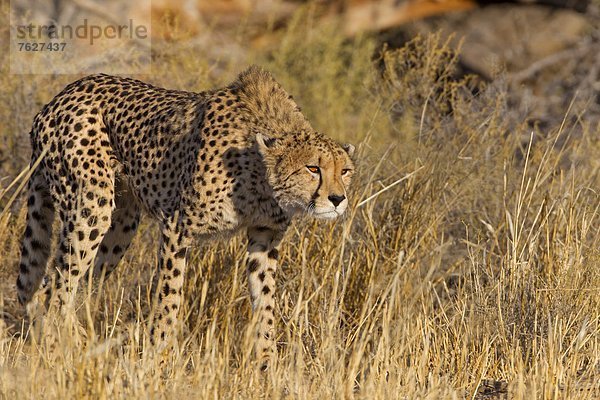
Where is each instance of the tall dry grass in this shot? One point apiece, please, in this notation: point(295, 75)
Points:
point(467, 266)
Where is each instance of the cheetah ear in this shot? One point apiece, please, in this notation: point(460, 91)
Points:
point(265, 142)
point(349, 148)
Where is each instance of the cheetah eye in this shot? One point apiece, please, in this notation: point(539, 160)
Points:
point(346, 171)
point(313, 169)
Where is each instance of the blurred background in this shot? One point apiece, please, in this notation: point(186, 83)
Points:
point(546, 50)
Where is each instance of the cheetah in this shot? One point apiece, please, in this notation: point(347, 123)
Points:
point(201, 164)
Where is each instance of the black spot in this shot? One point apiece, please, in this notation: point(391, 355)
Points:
point(261, 276)
point(23, 269)
point(20, 286)
point(253, 266)
point(93, 234)
point(180, 254)
point(77, 127)
point(266, 290)
point(273, 254)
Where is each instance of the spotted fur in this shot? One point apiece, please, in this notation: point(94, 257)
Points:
point(240, 157)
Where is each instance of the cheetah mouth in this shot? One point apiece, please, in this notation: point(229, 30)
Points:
point(332, 214)
point(324, 212)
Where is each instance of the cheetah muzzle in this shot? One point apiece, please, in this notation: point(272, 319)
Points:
point(239, 157)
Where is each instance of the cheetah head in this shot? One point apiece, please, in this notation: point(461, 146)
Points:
point(309, 173)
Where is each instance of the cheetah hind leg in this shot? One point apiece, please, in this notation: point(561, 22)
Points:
point(124, 222)
point(36, 244)
point(84, 221)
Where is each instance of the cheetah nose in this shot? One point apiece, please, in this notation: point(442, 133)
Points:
point(335, 199)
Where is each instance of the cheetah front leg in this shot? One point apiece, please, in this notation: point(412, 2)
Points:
point(262, 265)
point(171, 270)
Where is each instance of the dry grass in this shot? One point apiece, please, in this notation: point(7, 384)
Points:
point(476, 274)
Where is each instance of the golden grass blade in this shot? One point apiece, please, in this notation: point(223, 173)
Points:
point(24, 175)
point(388, 187)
